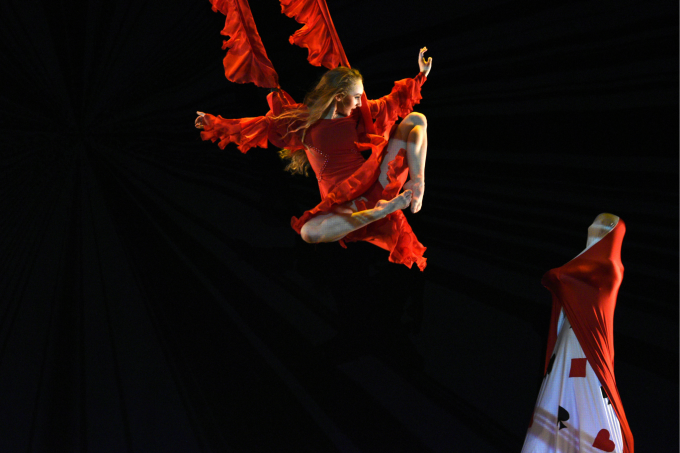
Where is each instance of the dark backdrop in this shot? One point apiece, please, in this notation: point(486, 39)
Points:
point(154, 297)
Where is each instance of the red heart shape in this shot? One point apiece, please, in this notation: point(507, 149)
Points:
point(602, 441)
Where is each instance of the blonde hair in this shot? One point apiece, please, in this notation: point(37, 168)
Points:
point(317, 102)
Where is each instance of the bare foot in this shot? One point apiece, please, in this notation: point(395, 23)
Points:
point(397, 203)
point(418, 188)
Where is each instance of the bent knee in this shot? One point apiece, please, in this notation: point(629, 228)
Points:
point(416, 119)
point(308, 234)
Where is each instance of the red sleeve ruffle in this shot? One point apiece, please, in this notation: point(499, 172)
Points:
point(254, 132)
point(245, 132)
point(399, 103)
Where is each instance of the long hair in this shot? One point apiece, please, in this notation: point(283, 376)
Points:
point(317, 102)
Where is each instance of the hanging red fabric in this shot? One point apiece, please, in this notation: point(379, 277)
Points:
point(246, 61)
point(318, 35)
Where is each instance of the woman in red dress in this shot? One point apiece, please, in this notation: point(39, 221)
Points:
point(360, 196)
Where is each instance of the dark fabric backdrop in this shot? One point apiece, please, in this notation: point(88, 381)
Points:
point(153, 297)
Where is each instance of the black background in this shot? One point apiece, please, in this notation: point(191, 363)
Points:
point(154, 297)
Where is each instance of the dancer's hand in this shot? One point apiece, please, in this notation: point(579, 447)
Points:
point(201, 121)
point(425, 65)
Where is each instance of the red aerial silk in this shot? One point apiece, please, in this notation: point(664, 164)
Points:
point(319, 36)
point(586, 289)
point(246, 61)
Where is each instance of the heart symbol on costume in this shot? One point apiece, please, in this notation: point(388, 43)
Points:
point(602, 441)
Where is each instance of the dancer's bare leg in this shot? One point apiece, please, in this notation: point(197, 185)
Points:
point(411, 135)
point(416, 151)
point(334, 226)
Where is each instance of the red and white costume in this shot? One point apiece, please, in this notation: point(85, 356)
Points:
point(579, 408)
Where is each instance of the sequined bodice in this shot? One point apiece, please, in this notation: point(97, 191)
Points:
point(331, 150)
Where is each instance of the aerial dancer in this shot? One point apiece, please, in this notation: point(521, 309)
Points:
point(579, 408)
point(332, 131)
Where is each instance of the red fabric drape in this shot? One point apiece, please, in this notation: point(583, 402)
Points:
point(319, 36)
point(318, 33)
point(586, 288)
point(246, 61)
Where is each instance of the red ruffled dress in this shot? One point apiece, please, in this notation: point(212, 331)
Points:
point(334, 149)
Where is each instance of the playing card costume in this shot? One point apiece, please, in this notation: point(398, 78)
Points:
point(335, 148)
point(578, 407)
